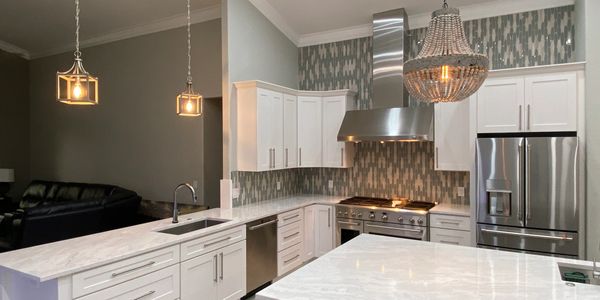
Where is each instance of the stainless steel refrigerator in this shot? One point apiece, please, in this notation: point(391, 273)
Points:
point(527, 194)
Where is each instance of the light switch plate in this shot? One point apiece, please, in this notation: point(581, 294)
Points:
point(330, 184)
point(460, 191)
point(278, 185)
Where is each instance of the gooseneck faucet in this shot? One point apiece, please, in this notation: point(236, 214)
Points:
point(175, 210)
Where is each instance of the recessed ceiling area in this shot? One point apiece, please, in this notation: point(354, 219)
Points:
point(44, 27)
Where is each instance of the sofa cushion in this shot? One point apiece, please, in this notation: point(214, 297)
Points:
point(96, 191)
point(67, 192)
point(34, 194)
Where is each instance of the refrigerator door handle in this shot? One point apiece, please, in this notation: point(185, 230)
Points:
point(540, 236)
point(520, 171)
point(528, 183)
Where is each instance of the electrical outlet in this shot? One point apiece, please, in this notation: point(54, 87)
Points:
point(278, 185)
point(460, 191)
point(330, 184)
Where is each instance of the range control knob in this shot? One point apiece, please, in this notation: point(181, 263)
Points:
point(359, 215)
point(420, 221)
point(400, 219)
point(384, 217)
point(412, 220)
point(372, 215)
point(339, 213)
point(353, 214)
point(345, 213)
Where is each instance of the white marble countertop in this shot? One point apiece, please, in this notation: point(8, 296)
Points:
point(377, 267)
point(451, 209)
point(58, 259)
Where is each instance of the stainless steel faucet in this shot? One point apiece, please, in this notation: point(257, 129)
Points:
point(175, 210)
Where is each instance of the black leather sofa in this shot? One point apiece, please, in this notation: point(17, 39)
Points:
point(53, 211)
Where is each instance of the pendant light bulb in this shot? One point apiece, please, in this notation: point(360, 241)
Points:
point(76, 86)
point(189, 103)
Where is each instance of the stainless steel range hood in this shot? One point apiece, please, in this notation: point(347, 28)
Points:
point(391, 118)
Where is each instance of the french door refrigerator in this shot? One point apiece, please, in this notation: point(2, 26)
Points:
point(527, 194)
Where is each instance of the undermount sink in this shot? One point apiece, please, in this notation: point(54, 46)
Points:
point(193, 226)
point(578, 273)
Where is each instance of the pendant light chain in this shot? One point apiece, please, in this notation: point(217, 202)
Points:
point(189, 44)
point(77, 51)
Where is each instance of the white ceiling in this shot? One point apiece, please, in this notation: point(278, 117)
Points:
point(42, 27)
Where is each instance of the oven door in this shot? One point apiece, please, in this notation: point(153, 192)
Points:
point(397, 230)
point(347, 229)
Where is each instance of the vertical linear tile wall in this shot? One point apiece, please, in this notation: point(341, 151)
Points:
point(532, 38)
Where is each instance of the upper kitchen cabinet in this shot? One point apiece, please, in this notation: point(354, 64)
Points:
point(260, 126)
point(279, 128)
point(310, 128)
point(336, 154)
point(537, 99)
point(500, 105)
point(452, 151)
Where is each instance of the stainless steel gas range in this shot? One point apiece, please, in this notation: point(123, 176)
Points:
point(396, 218)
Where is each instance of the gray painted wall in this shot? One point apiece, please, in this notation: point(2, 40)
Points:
point(14, 118)
point(256, 50)
point(134, 137)
point(592, 111)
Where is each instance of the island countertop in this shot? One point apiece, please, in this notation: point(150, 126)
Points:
point(67, 257)
point(377, 267)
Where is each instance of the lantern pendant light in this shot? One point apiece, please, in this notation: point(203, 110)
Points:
point(189, 103)
point(446, 69)
point(76, 86)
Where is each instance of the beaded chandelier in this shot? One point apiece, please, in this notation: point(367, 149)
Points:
point(446, 69)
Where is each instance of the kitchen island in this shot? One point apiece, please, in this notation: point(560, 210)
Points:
point(378, 267)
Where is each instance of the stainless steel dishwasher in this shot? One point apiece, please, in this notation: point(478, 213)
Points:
point(261, 252)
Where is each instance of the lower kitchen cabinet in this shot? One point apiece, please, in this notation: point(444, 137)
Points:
point(449, 229)
point(309, 233)
point(323, 229)
point(215, 275)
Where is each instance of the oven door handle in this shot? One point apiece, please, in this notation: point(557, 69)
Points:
point(348, 223)
point(395, 228)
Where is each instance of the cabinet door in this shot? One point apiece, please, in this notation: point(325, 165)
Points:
point(263, 131)
point(323, 229)
point(232, 274)
point(309, 233)
point(276, 122)
point(334, 109)
point(290, 131)
point(452, 136)
point(309, 131)
point(551, 102)
point(200, 277)
point(500, 105)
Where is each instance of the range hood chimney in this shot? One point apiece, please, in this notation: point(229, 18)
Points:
point(391, 118)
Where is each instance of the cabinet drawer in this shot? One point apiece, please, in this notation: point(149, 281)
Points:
point(290, 235)
point(162, 284)
point(450, 222)
point(448, 236)
point(212, 242)
point(105, 276)
point(290, 217)
point(289, 259)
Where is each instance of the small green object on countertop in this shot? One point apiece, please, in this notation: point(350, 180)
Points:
point(575, 277)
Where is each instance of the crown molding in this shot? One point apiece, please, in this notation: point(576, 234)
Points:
point(273, 15)
point(469, 12)
point(337, 35)
point(197, 16)
point(10, 48)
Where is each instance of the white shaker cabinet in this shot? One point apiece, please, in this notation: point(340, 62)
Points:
point(551, 102)
point(290, 131)
point(216, 275)
point(336, 154)
point(452, 151)
point(259, 129)
point(309, 131)
point(500, 105)
point(323, 231)
point(533, 102)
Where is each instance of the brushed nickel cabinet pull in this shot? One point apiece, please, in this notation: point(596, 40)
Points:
point(150, 263)
point(528, 117)
point(520, 117)
point(329, 217)
point(300, 156)
point(291, 259)
point(145, 295)
point(221, 277)
point(291, 235)
point(216, 258)
point(342, 156)
point(286, 158)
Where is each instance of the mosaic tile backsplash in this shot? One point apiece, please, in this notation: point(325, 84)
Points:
point(406, 169)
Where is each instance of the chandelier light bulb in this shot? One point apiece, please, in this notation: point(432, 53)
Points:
point(77, 90)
